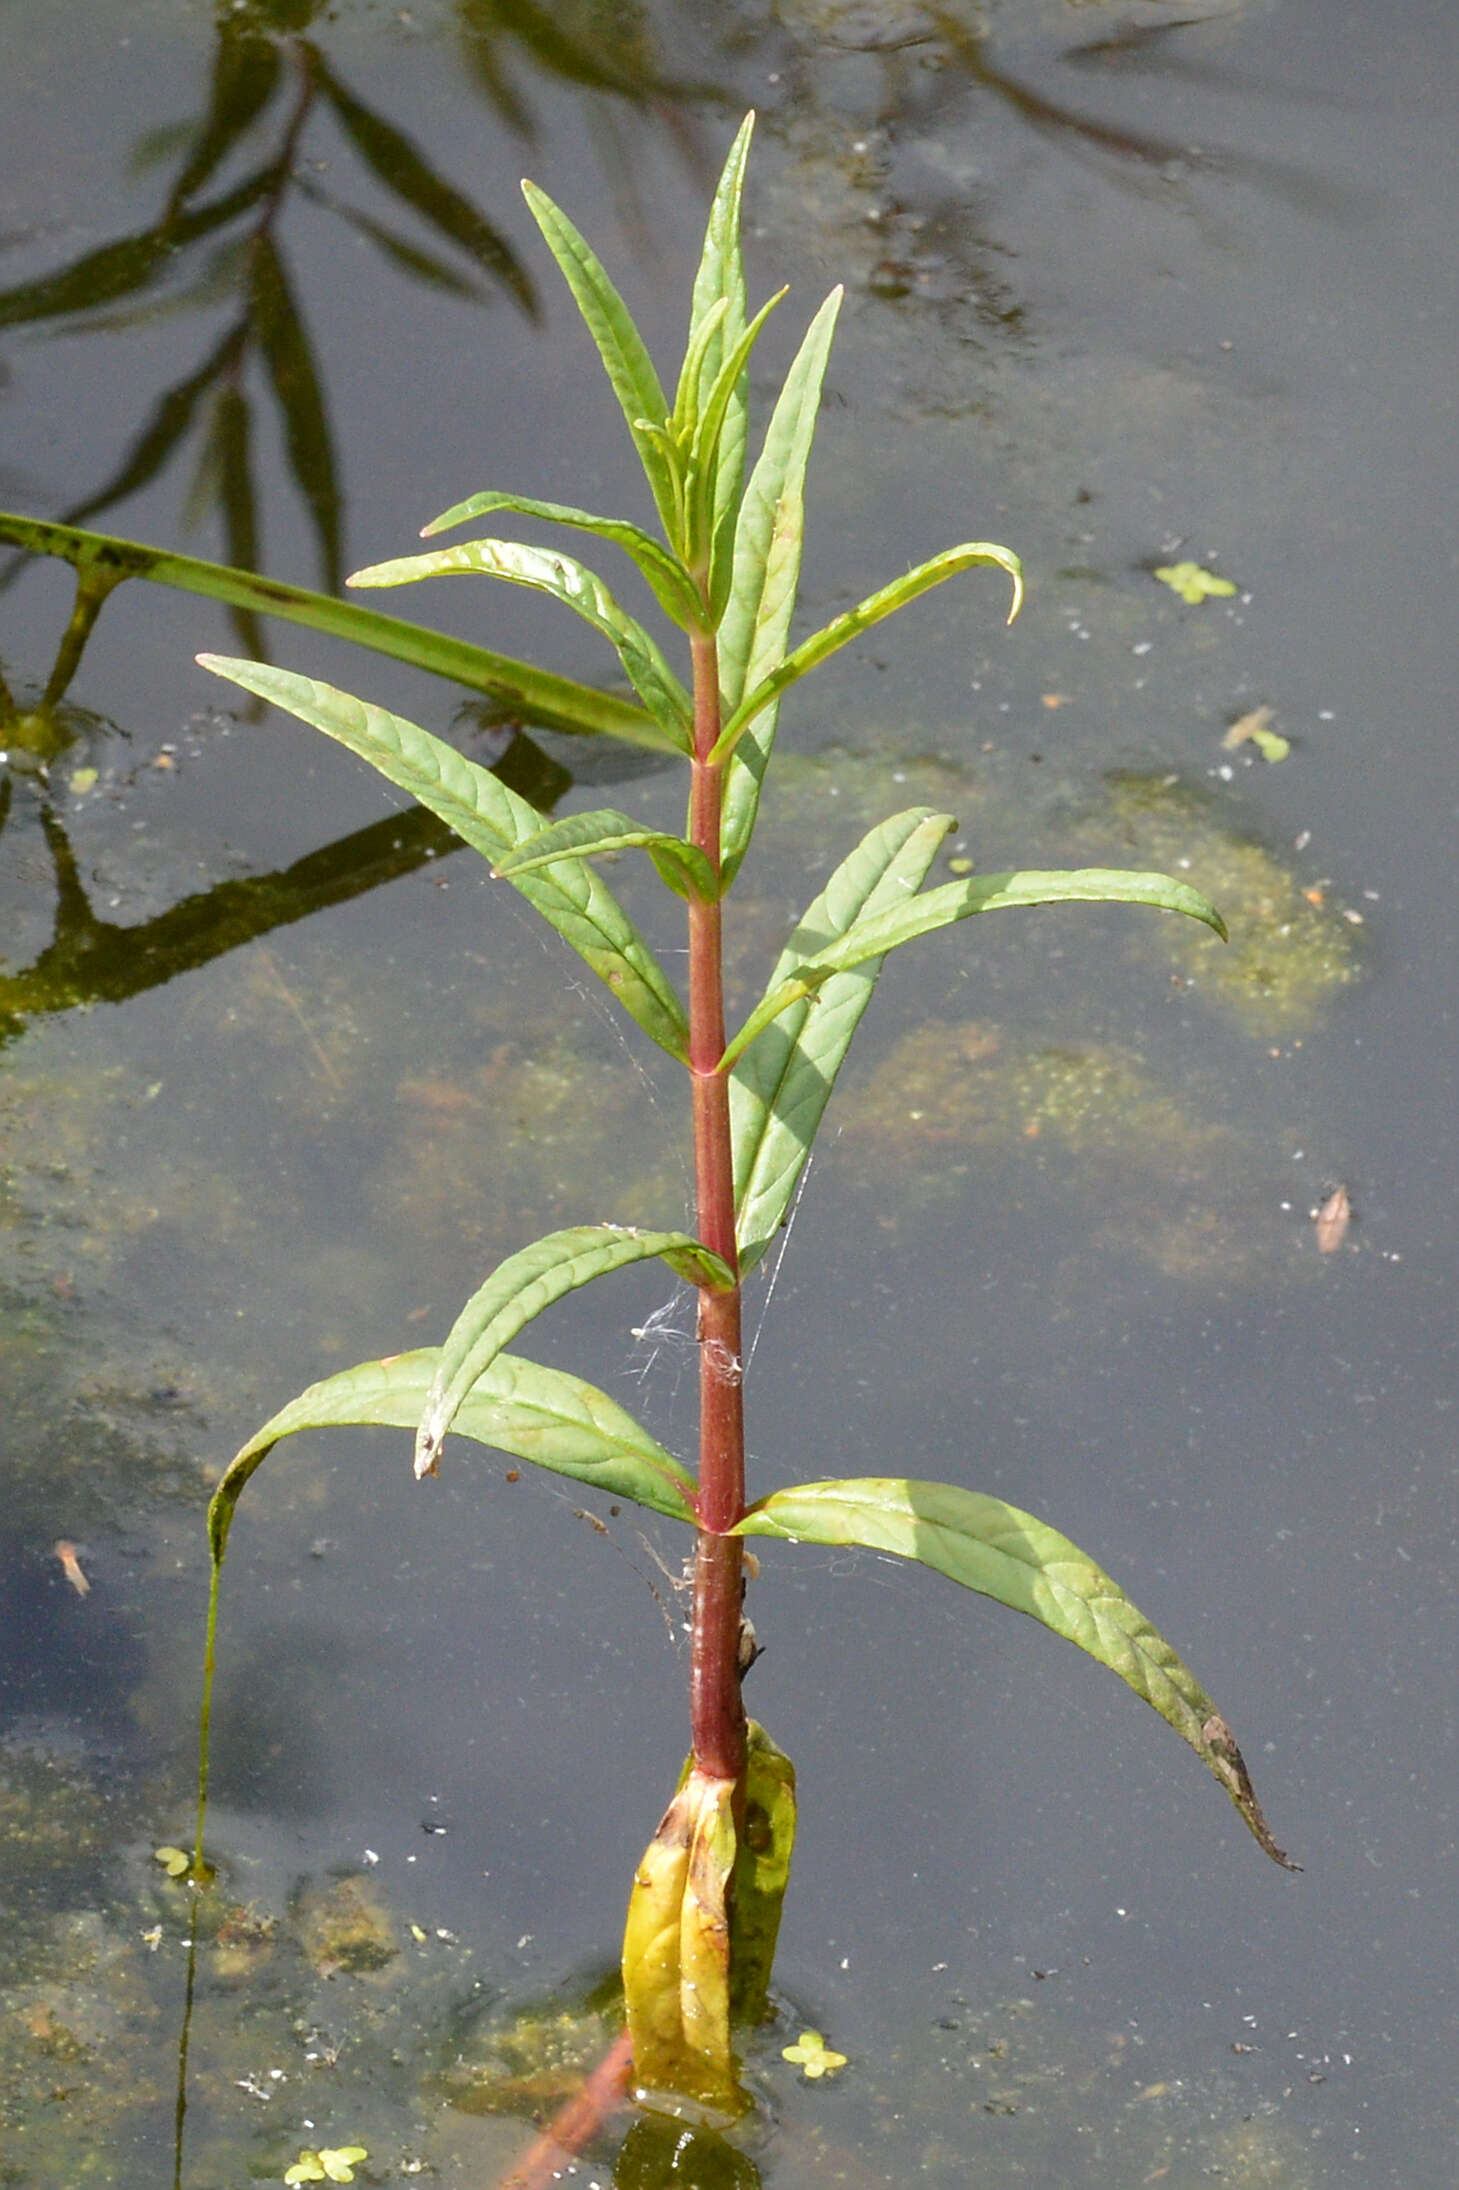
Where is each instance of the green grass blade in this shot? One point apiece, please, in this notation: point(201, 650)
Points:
point(783, 1080)
point(876, 933)
point(768, 535)
point(526, 1283)
point(493, 820)
point(670, 583)
point(545, 570)
point(620, 345)
point(884, 602)
point(683, 866)
point(994, 1548)
point(536, 694)
point(538, 1414)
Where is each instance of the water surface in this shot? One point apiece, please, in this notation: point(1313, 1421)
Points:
point(1122, 289)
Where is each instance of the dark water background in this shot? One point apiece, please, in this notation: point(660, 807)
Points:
point(1126, 284)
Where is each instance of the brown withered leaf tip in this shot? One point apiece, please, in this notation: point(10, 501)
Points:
point(1229, 1766)
point(1332, 1221)
point(71, 1568)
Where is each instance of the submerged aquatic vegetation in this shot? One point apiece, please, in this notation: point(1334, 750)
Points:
point(705, 1901)
point(1294, 944)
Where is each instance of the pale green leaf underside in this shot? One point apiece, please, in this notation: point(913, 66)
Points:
point(493, 820)
point(994, 1548)
point(781, 1084)
point(682, 865)
point(567, 580)
point(885, 602)
point(526, 1283)
point(625, 358)
point(876, 933)
point(767, 553)
point(538, 1414)
point(671, 585)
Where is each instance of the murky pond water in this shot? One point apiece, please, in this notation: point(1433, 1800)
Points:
point(1128, 285)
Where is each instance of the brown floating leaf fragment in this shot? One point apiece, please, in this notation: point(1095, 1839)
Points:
point(1229, 1766)
point(71, 1568)
point(1332, 1221)
point(1246, 726)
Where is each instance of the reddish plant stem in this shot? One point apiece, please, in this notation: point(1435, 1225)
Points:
point(575, 2125)
point(716, 1711)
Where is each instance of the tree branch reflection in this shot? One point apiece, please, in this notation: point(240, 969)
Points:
point(91, 960)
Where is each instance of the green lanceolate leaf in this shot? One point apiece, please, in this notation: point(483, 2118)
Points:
point(685, 416)
point(886, 602)
point(767, 554)
point(493, 820)
point(670, 582)
point(784, 1077)
point(620, 345)
point(568, 581)
point(709, 515)
point(526, 1283)
point(994, 1548)
point(537, 1414)
point(721, 274)
point(682, 865)
point(537, 694)
point(876, 933)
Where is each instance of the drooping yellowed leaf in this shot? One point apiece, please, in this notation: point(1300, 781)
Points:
point(762, 1868)
point(676, 1949)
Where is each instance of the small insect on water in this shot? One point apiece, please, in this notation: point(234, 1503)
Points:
point(1332, 1221)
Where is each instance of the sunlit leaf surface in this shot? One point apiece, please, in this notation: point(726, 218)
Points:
point(526, 1283)
point(1000, 1551)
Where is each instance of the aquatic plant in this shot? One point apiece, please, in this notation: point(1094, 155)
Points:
point(705, 1901)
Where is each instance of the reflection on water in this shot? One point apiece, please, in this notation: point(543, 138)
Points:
point(92, 960)
point(247, 1040)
